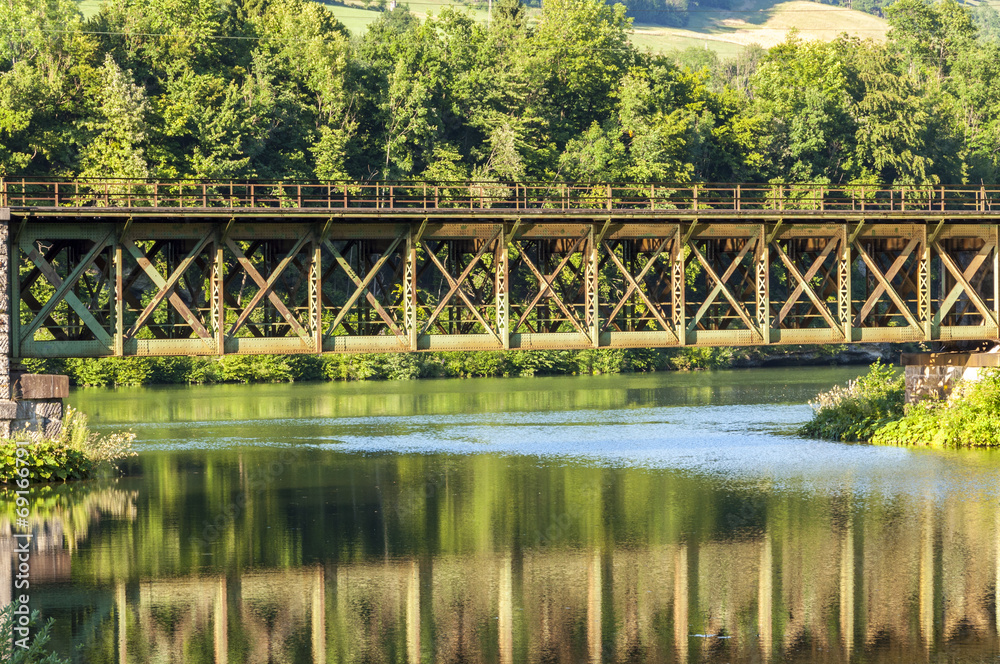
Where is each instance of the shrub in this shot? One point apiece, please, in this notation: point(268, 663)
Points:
point(46, 460)
point(36, 652)
point(970, 417)
point(76, 453)
point(857, 411)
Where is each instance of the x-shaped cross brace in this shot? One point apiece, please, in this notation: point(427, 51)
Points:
point(64, 291)
point(167, 289)
point(361, 288)
point(455, 286)
point(633, 285)
point(266, 289)
point(803, 284)
point(886, 286)
point(545, 286)
point(962, 278)
point(720, 287)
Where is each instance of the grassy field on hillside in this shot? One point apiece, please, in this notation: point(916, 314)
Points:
point(725, 32)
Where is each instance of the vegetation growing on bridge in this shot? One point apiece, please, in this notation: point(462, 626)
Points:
point(279, 89)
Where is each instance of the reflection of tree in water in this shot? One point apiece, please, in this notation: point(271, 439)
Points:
point(597, 575)
point(60, 519)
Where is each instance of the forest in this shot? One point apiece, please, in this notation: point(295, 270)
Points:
point(279, 89)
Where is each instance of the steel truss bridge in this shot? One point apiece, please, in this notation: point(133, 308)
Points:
point(128, 268)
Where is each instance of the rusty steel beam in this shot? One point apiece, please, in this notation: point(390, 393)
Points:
point(190, 283)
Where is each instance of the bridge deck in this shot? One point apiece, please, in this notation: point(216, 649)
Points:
point(217, 268)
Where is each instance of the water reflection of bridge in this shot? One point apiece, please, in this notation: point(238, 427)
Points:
point(746, 599)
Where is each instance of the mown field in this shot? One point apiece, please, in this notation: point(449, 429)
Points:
point(725, 32)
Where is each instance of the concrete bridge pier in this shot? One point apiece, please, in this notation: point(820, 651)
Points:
point(934, 375)
point(28, 402)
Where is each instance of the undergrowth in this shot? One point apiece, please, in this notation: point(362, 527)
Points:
point(75, 453)
point(857, 411)
point(14, 623)
point(969, 417)
point(134, 371)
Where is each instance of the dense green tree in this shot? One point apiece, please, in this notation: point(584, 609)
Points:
point(279, 89)
point(800, 92)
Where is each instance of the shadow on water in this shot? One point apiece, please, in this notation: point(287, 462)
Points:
point(651, 518)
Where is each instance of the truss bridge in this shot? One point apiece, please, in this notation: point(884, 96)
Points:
point(130, 268)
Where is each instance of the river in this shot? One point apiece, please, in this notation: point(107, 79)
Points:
point(646, 518)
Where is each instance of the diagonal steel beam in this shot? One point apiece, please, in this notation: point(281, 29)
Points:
point(720, 286)
point(963, 283)
point(64, 291)
point(545, 285)
point(167, 289)
point(804, 284)
point(877, 273)
point(633, 285)
point(266, 289)
point(889, 275)
point(361, 286)
point(810, 273)
point(455, 286)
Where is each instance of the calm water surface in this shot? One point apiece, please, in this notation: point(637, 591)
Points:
point(660, 518)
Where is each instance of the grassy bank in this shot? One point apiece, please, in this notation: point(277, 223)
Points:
point(133, 371)
point(76, 453)
point(872, 409)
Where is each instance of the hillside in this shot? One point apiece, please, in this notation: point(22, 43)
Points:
point(725, 32)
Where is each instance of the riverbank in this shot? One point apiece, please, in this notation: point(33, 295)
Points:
point(137, 371)
point(75, 453)
point(872, 409)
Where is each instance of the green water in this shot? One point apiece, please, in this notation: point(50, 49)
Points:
point(657, 518)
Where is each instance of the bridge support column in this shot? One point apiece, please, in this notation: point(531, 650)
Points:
point(934, 375)
point(27, 401)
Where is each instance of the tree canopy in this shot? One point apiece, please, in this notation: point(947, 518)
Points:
point(280, 89)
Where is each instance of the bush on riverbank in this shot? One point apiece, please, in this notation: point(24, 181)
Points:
point(134, 371)
point(856, 412)
point(969, 417)
point(30, 649)
point(76, 453)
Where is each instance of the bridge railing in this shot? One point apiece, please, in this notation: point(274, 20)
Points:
point(377, 195)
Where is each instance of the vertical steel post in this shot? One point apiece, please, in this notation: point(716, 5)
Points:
point(996, 275)
point(12, 255)
point(218, 298)
point(119, 300)
point(502, 287)
point(410, 288)
point(678, 286)
point(316, 293)
point(844, 283)
point(761, 256)
point(924, 287)
point(591, 288)
point(10, 305)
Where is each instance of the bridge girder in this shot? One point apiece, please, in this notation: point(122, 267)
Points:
point(91, 283)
